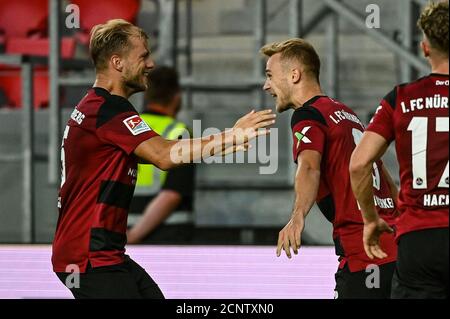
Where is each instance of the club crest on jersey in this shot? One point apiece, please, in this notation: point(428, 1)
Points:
point(301, 137)
point(136, 125)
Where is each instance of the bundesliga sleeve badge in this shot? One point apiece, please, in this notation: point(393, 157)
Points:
point(136, 125)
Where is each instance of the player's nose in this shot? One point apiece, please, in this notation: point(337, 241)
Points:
point(150, 64)
point(266, 86)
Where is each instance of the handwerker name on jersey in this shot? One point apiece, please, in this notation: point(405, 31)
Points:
point(432, 102)
point(385, 203)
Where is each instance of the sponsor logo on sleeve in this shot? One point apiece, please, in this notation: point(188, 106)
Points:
point(136, 125)
point(301, 137)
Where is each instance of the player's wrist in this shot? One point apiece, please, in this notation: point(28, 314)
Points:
point(371, 219)
point(298, 217)
point(238, 136)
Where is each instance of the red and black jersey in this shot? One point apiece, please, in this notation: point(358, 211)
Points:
point(331, 128)
point(415, 115)
point(98, 178)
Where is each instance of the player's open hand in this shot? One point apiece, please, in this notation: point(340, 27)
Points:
point(235, 148)
point(248, 126)
point(371, 238)
point(290, 236)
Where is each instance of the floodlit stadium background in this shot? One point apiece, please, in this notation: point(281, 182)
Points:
point(214, 44)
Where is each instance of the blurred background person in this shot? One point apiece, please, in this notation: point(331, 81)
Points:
point(161, 210)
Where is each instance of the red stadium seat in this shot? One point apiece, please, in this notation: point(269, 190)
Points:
point(23, 18)
point(39, 47)
point(23, 31)
point(93, 12)
point(11, 85)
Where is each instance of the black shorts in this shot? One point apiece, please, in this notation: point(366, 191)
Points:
point(422, 265)
point(123, 281)
point(373, 284)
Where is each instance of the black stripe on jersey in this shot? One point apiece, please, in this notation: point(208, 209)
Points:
point(439, 74)
point(326, 206)
point(113, 105)
point(307, 113)
point(103, 239)
point(391, 98)
point(339, 250)
point(115, 194)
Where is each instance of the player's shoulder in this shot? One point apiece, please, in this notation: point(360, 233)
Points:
point(413, 85)
point(112, 106)
point(308, 112)
point(391, 96)
point(405, 89)
point(424, 83)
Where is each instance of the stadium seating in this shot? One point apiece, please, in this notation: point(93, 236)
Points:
point(11, 85)
point(100, 11)
point(23, 31)
point(23, 18)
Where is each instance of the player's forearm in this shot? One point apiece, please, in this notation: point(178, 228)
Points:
point(168, 154)
point(193, 150)
point(306, 187)
point(362, 186)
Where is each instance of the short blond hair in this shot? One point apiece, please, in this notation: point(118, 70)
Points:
point(111, 38)
point(298, 50)
point(433, 22)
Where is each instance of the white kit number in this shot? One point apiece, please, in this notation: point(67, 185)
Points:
point(419, 128)
point(63, 156)
point(357, 136)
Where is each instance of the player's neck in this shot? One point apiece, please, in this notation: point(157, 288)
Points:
point(439, 66)
point(109, 84)
point(306, 93)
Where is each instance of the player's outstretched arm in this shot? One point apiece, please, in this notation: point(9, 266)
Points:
point(369, 150)
point(166, 154)
point(307, 181)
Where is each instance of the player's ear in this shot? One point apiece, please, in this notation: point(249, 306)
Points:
point(116, 62)
point(425, 46)
point(296, 75)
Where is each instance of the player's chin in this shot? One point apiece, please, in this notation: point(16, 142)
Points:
point(137, 85)
point(138, 88)
point(281, 107)
point(141, 86)
point(144, 83)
